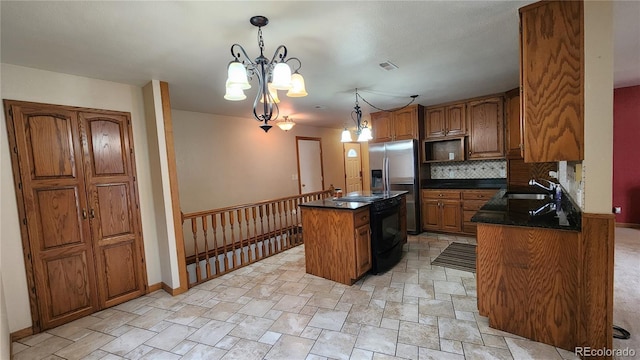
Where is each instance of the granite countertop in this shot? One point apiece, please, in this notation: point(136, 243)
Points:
point(463, 183)
point(501, 210)
point(353, 200)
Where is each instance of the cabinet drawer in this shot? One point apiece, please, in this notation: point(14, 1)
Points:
point(441, 194)
point(474, 205)
point(468, 214)
point(478, 194)
point(361, 217)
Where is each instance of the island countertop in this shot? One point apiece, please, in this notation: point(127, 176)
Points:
point(501, 210)
point(353, 200)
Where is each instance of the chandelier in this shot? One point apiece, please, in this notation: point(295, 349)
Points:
point(273, 75)
point(363, 131)
point(286, 124)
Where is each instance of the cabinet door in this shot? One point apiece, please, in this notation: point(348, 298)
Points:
point(451, 215)
point(486, 128)
point(58, 247)
point(381, 126)
point(514, 126)
point(363, 250)
point(113, 202)
point(456, 120)
point(431, 214)
point(552, 86)
point(434, 122)
point(405, 124)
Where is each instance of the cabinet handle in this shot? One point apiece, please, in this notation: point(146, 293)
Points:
point(92, 213)
point(84, 214)
point(469, 152)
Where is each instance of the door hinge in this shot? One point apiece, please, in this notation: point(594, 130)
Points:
point(24, 221)
point(131, 150)
point(134, 178)
point(11, 112)
point(20, 185)
point(15, 149)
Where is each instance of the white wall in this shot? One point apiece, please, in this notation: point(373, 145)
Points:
point(27, 84)
point(225, 161)
point(598, 109)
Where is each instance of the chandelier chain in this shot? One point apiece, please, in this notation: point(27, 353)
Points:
point(413, 98)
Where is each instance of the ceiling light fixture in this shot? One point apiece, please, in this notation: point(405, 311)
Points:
point(363, 131)
point(286, 124)
point(273, 75)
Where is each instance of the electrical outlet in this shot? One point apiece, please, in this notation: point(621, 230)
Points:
point(451, 173)
point(617, 210)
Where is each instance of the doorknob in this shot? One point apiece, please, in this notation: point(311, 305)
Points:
point(303, 185)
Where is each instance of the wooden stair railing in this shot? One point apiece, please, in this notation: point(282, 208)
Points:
point(226, 239)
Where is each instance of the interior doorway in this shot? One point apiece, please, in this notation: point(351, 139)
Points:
point(353, 167)
point(310, 171)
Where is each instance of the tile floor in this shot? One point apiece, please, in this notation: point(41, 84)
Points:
point(274, 310)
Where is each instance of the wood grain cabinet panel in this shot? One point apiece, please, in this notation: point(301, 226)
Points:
point(552, 86)
point(442, 121)
point(514, 143)
point(335, 247)
point(402, 124)
point(74, 174)
point(486, 128)
point(441, 210)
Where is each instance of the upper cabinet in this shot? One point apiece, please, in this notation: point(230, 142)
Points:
point(447, 120)
point(486, 128)
point(552, 81)
point(513, 136)
point(403, 124)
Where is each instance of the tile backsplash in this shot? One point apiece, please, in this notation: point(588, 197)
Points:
point(475, 169)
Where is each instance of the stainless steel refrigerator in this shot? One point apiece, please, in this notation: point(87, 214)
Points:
point(394, 166)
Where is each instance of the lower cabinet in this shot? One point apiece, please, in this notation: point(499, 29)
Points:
point(452, 210)
point(337, 243)
point(441, 210)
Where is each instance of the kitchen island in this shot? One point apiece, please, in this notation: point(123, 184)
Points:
point(533, 269)
point(337, 234)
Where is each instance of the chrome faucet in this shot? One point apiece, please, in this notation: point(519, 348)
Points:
point(551, 188)
point(549, 207)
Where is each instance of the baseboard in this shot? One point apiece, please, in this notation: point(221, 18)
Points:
point(628, 225)
point(154, 287)
point(21, 334)
point(173, 292)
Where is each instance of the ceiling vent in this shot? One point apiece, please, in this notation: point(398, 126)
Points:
point(388, 65)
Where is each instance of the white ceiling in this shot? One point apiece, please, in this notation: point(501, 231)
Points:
point(445, 50)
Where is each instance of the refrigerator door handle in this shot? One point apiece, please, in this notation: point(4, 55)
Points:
point(387, 180)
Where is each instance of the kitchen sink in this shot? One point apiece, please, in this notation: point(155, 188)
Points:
point(527, 196)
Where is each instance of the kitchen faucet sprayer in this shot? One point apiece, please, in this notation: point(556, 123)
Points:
point(552, 186)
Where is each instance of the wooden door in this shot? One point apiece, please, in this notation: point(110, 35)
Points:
point(381, 126)
point(52, 203)
point(450, 215)
point(434, 122)
point(405, 123)
point(113, 207)
point(363, 249)
point(353, 167)
point(430, 214)
point(456, 120)
point(486, 129)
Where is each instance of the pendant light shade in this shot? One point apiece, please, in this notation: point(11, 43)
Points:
point(346, 136)
point(273, 93)
point(237, 76)
point(281, 76)
point(234, 93)
point(297, 86)
point(365, 134)
point(286, 124)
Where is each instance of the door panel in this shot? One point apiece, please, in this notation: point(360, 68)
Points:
point(353, 167)
point(112, 201)
point(54, 202)
point(310, 170)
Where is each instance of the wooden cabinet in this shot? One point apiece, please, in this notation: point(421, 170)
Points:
point(513, 129)
point(403, 124)
point(75, 178)
point(552, 86)
point(337, 243)
point(486, 128)
point(441, 210)
point(472, 201)
point(529, 282)
point(444, 121)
